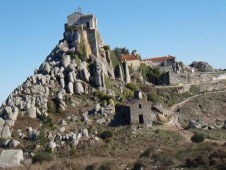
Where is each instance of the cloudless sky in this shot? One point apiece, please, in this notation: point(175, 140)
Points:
point(191, 30)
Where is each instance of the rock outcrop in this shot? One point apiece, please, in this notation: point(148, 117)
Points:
point(202, 66)
point(11, 158)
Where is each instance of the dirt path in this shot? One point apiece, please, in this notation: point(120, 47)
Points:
point(174, 124)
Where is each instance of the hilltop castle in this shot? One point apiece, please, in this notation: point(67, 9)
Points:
point(77, 18)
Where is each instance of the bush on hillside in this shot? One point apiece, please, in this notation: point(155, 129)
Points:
point(132, 87)
point(42, 156)
point(103, 96)
point(154, 98)
point(197, 138)
point(106, 134)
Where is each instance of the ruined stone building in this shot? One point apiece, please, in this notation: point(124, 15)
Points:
point(137, 111)
point(77, 18)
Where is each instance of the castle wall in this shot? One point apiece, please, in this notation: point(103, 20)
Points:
point(92, 38)
point(194, 78)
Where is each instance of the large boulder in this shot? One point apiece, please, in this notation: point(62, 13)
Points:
point(83, 71)
point(70, 88)
point(6, 133)
point(63, 46)
point(79, 89)
point(11, 158)
point(127, 74)
point(46, 69)
point(66, 61)
point(32, 112)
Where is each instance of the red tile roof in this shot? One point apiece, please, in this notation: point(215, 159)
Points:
point(129, 57)
point(158, 59)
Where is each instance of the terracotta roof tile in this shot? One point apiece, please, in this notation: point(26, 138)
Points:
point(158, 59)
point(129, 57)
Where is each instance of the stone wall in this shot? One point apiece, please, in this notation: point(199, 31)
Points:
point(140, 107)
point(92, 38)
point(194, 78)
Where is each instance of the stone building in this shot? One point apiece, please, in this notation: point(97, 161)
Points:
point(77, 18)
point(131, 60)
point(160, 61)
point(137, 111)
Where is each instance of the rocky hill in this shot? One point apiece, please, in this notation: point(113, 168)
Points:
point(75, 104)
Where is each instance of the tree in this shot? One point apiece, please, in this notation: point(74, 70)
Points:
point(119, 51)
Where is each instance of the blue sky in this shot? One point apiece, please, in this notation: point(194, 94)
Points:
point(191, 30)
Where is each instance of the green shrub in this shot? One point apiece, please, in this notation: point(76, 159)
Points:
point(42, 156)
point(108, 166)
point(102, 96)
point(128, 93)
point(154, 98)
point(141, 163)
point(48, 149)
point(108, 82)
point(153, 75)
point(132, 87)
point(107, 47)
point(116, 63)
point(51, 105)
point(91, 167)
point(106, 134)
point(194, 89)
point(76, 57)
point(197, 138)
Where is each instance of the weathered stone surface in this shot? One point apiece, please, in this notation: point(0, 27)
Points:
point(60, 94)
point(194, 124)
point(13, 143)
point(137, 77)
point(72, 38)
point(11, 158)
point(70, 88)
point(6, 133)
point(63, 122)
point(37, 89)
point(52, 145)
point(85, 133)
point(2, 122)
point(101, 120)
point(119, 73)
point(32, 112)
point(46, 69)
point(62, 83)
point(98, 74)
point(127, 74)
point(83, 71)
point(159, 108)
point(79, 89)
point(63, 46)
point(62, 129)
point(71, 77)
point(10, 123)
point(66, 61)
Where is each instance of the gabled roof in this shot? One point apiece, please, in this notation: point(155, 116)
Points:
point(134, 101)
point(159, 59)
point(129, 57)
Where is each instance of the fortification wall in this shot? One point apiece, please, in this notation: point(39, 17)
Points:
point(195, 78)
point(92, 38)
